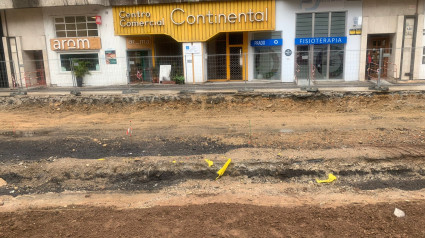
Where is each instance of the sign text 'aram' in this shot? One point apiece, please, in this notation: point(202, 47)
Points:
point(83, 43)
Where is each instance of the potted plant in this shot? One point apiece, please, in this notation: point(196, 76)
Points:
point(80, 70)
point(179, 79)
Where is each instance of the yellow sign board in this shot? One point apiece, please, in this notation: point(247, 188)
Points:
point(195, 22)
point(76, 43)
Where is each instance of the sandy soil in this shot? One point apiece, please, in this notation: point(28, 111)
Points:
point(73, 171)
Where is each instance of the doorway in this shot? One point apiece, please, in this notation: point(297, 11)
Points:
point(34, 74)
point(320, 62)
point(227, 57)
point(139, 64)
point(374, 44)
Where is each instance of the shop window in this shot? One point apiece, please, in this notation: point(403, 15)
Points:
point(267, 59)
point(336, 62)
point(320, 61)
point(91, 59)
point(76, 26)
point(304, 25)
point(338, 24)
point(321, 27)
point(321, 24)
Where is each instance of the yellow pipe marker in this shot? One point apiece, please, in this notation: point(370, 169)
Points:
point(210, 163)
point(329, 180)
point(223, 169)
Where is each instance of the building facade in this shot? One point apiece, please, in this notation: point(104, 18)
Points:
point(281, 40)
point(397, 28)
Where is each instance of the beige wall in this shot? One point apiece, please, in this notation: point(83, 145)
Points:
point(385, 8)
point(27, 23)
point(27, 26)
point(10, 4)
point(387, 17)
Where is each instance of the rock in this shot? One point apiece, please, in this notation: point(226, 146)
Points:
point(269, 106)
point(2, 182)
point(399, 213)
point(1, 203)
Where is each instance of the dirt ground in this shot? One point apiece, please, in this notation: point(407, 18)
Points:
point(73, 170)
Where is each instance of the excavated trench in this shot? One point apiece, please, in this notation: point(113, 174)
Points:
point(139, 175)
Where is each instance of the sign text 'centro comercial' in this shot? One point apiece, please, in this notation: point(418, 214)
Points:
point(195, 22)
point(143, 18)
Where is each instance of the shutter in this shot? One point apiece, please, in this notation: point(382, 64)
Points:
point(338, 24)
point(304, 27)
point(321, 24)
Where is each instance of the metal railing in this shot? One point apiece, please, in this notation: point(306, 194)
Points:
point(309, 67)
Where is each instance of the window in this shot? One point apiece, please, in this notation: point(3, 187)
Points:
point(317, 24)
point(91, 59)
point(320, 61)
point(267, 63)
point(304, 25)
point(76, 26)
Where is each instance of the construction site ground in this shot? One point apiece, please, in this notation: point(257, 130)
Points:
point(140, 170)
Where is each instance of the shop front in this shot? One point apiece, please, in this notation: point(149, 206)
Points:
point(80, 38)
point(140, 58)
point(321, 39)
point(212, 38)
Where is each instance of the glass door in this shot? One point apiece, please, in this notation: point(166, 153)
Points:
point(320, 62)
point(302, 62)
point(235, 55)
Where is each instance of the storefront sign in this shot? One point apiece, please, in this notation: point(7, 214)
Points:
point(79, 43)
point(139, 42)
point(190, 22)
point(269, 42)
point(320, 40)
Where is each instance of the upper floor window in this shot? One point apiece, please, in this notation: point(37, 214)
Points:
point(76, 26)
point(321, 24)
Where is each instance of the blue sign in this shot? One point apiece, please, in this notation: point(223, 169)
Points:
point(321, 40)
point(269, 42)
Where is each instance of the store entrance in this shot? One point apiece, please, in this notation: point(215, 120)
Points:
point(320, 62)
point(140, 66)
point(227, 57)
point(374, 44)
point(236, 63)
